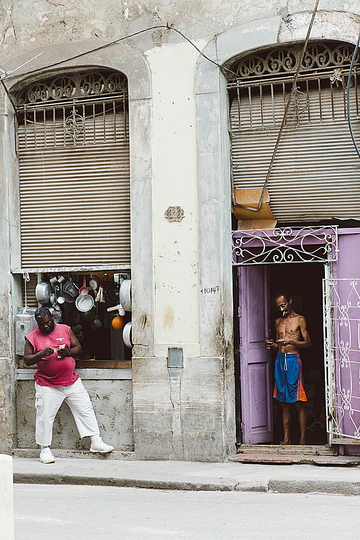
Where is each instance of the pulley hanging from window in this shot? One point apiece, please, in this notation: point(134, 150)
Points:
point(73, 150)
point(316, 174)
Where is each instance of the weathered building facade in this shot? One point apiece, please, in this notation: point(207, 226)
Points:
point(117, 161)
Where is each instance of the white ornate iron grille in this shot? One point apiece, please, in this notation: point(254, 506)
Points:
point(287, 245)
point(342, 356)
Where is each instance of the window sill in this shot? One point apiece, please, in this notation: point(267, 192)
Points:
point(104, 364)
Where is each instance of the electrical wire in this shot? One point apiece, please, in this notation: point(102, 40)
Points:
point(348, 95)
point(114, 42)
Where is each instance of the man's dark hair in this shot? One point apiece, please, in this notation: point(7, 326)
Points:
point(42, 312)
point(283, 292)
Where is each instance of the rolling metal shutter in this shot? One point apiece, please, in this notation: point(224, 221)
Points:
point(74, 189)
point(316, 174)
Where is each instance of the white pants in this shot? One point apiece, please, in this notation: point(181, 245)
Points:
point(47, 403)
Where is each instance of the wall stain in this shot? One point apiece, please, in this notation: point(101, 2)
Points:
point(169, 317)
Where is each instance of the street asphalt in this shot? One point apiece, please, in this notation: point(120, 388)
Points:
point(192, 476)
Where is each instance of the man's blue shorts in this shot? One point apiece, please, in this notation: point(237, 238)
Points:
point(289, 381)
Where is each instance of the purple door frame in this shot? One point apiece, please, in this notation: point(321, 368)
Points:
point(252, 252)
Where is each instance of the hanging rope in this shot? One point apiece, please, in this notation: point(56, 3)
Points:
point(293, 89)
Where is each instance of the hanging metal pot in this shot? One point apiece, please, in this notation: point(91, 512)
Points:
point(43, 291)
point(84, 303)
point(70, 291)
point(127, 335)
point(125, 294)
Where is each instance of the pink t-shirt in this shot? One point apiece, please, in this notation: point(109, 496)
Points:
point(53, 371)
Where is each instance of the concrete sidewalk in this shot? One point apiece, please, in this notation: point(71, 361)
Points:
point(183, 475)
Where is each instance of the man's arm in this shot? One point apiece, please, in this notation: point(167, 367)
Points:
point(271, 344)
point(31, 358)
point(75, 347)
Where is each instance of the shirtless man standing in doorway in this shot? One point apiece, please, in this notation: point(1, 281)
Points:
point(291, 335)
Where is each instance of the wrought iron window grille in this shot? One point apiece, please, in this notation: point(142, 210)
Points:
point(259, 95)
point(73, 109)
point(70, 86)
point(285, 245)
point(282, 61)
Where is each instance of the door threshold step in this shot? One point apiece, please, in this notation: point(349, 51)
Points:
point(288, 449)
point(278, 459)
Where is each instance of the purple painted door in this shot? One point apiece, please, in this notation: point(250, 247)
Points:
point(255, 360)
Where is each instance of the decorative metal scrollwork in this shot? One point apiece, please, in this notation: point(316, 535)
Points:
point(286, 245)
point(298, 104)
point(342, 353)
point(74, 86)
point(74, 125)
point(283, 60)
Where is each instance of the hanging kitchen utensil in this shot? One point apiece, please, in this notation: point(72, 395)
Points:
point(127, 335)
point(61, 300)
point(125, 294)
point(100, 295)
point(84, 303)
point(70, 290)
point(56, 314)
point(42, 292)
point(84, 291)
point(88, 316)
point(96, 324)
point(118, 308)
point(93, 284)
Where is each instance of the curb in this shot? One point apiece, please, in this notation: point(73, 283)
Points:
point(270, 486)
point(57, 479)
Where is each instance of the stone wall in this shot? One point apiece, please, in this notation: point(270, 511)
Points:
point(112, 402)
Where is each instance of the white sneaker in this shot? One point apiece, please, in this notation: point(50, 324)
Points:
point(46, 455)
point(100, 447)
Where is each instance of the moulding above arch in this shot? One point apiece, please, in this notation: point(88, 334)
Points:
point(120, 56)
point(329, 25)
point(262, 33)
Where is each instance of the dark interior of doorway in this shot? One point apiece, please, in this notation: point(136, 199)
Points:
point(304, 283)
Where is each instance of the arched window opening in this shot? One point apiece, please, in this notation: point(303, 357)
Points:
point(73, 149)
point(315, 159)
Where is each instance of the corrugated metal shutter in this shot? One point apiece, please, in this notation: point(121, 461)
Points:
point(75, 199)
point(316, 175)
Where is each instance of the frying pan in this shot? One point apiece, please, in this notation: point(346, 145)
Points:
point(84, 303)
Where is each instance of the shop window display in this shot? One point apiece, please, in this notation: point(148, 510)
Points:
point(89, 304)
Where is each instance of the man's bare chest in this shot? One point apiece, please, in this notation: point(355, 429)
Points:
point(288, 327)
